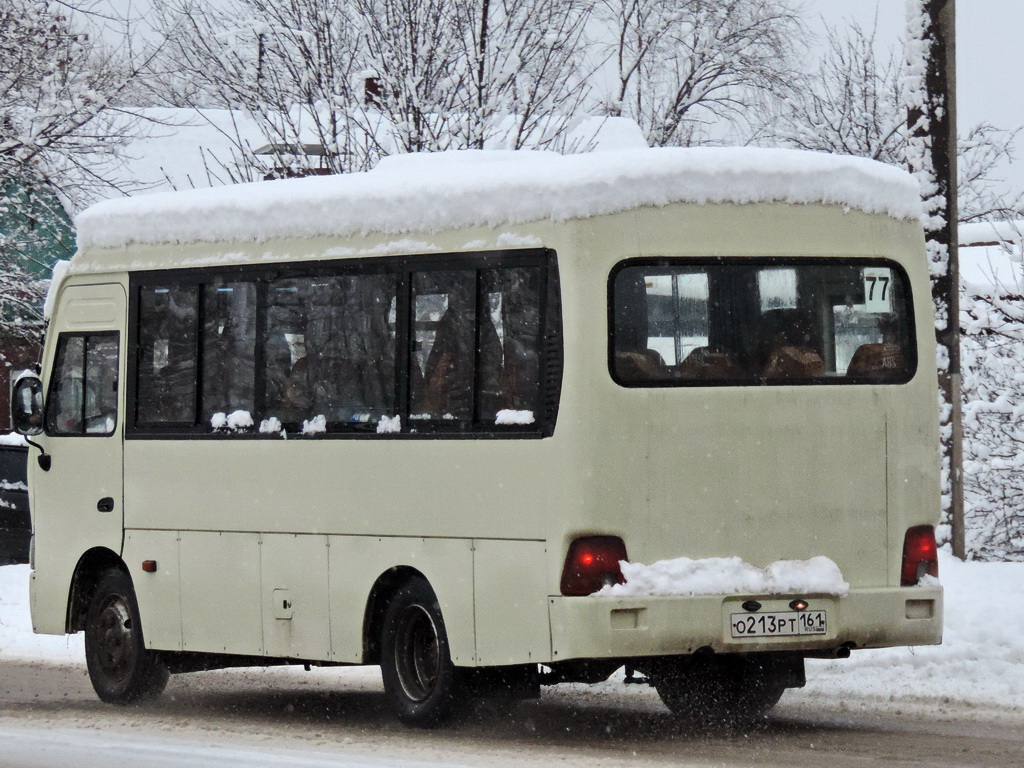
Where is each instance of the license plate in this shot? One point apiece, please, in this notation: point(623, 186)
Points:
point(780, 624)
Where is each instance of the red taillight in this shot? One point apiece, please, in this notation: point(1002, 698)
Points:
point(592, 563)
point(920, 555)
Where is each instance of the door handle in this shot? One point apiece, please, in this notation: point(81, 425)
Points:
point(106, 504)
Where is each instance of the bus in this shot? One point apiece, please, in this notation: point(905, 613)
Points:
point(494, 421)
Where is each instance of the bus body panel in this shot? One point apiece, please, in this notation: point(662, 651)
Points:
point(158, 592)
point(273, 546)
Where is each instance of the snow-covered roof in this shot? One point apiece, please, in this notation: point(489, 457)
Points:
point(450, 190)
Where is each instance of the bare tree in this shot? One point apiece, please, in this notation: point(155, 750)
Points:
point(456, 74)
point(852, 103)
point(529, 73)
point(289, 67)
point(684, 66)
point(365, 78)
point(419, 66)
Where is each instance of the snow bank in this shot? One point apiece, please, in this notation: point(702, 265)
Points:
point(16, 638)
point(729, 576)
point(980, 663)
point(434, 192)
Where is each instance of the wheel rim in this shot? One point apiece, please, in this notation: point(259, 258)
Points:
point(114, 639)
point(417, 653)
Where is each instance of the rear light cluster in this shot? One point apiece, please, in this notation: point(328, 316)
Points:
point(920, 555)
point(592, 563)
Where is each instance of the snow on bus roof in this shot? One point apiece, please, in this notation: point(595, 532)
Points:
point(450, 190)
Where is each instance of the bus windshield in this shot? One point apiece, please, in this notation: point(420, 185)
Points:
point(745, 322)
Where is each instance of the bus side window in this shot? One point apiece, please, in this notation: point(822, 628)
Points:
point(229, 348)
point(510, 333)
point(444, 318)
point(341, 350)
point(83, 397)
point(167, 355)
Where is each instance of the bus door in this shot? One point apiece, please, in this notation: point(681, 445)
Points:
point(78, 500)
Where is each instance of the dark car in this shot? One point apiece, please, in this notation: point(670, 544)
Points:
point(15, 524)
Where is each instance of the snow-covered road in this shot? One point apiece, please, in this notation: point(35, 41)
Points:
point(88, 749)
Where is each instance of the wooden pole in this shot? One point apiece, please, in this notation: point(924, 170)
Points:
point(938, 129)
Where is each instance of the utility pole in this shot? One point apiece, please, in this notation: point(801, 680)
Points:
point(931, 89)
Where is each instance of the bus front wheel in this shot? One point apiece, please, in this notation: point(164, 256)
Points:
point(121, 669)
point(420, 681)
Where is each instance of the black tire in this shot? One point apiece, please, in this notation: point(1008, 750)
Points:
point(420, 681)
point(718, 692)
point(121, 669)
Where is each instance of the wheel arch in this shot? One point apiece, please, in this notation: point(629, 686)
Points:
point(380, 595)
point(87, 573)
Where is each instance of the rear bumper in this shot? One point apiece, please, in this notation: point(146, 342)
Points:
point(601, 627)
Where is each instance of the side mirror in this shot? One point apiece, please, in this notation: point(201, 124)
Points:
point(27, 405)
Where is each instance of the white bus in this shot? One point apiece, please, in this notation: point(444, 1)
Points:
point(493, 421)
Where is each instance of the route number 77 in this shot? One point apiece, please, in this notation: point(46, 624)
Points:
point(877, 289)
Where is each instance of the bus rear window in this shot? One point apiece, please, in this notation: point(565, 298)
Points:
point(741, 322)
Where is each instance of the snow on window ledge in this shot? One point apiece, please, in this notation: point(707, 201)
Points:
point(509, 417)
point(235, 421)
point(389, 425)
point(315, 426)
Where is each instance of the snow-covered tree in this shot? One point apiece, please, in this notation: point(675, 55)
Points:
point(852, 102)
point(59, 137)
point(291, 67)
point(527, 69)
point(683, 67)
point(992, 347)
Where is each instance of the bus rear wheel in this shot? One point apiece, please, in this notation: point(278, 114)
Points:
point(121, 669)
point(715, 692)
point(420, 681)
